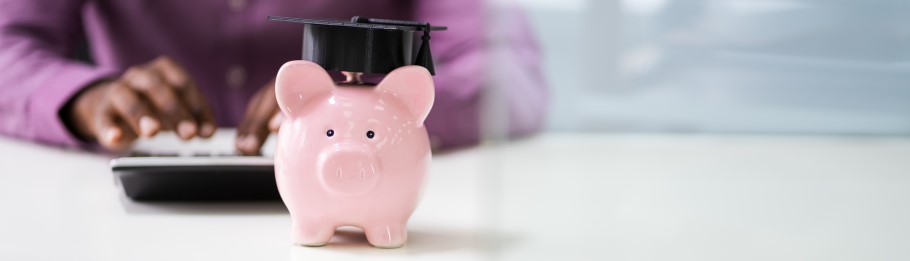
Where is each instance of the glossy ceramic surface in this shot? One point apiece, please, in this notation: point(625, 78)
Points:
point(351, 155)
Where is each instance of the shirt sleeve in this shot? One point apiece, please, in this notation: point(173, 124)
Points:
point(468, 64)
point(36, 77)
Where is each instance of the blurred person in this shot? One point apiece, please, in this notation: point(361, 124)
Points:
point(192, 66)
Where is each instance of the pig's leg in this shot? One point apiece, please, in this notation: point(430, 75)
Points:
point(387, 235)
point(309, 233)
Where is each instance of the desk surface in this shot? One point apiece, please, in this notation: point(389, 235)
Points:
point(554, 196)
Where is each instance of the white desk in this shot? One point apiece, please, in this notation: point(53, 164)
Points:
point(552, 197)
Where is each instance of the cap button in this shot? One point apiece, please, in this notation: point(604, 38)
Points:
point(235, 76)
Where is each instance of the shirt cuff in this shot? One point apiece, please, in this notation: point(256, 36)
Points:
point(44, 108)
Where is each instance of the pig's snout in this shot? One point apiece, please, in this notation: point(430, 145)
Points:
point(350, 170)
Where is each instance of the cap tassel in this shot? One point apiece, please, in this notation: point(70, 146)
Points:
point(424, 57)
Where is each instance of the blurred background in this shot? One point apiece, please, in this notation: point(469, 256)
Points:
point(728, 66)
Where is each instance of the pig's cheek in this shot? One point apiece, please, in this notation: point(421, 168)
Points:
point(381, 143)
point(294, 140)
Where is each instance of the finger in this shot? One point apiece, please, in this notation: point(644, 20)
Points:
point(262, 113)
point(186, 88)
point(268, 107)
point(137, 114)
point(249, 132)
point(275, 122)
point(113, 133)
point(172, 72)
point(172, 112)
point(200, 109)
point(257, 133)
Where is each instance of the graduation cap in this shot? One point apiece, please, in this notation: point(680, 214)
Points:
point(365, 45)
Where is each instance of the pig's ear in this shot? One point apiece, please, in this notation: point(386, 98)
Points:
point(298, 82)
point(413, 86)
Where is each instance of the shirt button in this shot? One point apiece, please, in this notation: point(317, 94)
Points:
point(237, 5)
point(235, 77)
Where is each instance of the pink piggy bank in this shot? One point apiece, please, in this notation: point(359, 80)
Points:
point(351, 155)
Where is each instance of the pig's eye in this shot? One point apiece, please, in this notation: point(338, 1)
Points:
point(370, 134)
point(330, 133)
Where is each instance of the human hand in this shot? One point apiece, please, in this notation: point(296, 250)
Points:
point(158, 95)
point(262, 117)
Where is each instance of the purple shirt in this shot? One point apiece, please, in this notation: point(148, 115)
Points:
point(231, 50)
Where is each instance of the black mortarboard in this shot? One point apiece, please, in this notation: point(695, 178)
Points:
point(366, 45)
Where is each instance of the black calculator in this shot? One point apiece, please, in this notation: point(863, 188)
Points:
point(165, 169)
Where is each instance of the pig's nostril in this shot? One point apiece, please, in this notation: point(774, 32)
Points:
point(363, 174)
point(338, 174)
